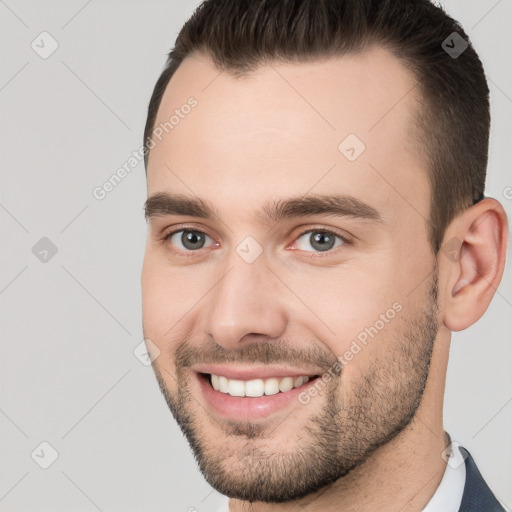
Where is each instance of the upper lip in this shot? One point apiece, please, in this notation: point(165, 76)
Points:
point(252, 372)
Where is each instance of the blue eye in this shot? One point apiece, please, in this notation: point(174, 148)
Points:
point(321, 240)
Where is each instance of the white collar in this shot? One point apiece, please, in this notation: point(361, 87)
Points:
point(448, 495)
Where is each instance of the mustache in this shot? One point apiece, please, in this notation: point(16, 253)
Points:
point(273, 352)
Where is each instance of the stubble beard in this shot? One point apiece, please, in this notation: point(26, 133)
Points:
point(334, 440)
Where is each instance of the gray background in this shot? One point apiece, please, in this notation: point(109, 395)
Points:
point(70, 325)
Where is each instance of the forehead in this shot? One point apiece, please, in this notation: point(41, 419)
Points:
point(287, 128)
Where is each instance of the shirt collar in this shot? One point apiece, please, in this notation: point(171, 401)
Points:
point(448, 495)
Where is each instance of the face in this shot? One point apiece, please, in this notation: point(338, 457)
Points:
point(288, 285)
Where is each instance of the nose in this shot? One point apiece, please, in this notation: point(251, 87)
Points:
point(247, 302)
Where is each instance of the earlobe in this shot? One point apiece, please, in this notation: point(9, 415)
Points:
point(477, 244)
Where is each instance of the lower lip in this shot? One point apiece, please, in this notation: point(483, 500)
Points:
point(249, 408)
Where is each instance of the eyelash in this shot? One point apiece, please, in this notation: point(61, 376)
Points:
point(318, 254)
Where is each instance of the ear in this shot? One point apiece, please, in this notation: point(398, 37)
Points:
point(474, 250)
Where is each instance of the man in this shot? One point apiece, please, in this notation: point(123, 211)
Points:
point(317, 228)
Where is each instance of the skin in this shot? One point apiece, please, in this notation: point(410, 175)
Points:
point(272, 135)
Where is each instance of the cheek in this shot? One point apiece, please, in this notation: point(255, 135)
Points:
point(170, 298)
point(152, 289)
point(159, 300)
point(345, 299)
point(353, 312)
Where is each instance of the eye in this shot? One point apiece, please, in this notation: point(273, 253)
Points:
point(320, 239)
point(188, 240)
point(192, 240)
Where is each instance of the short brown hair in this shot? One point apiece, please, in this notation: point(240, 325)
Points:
point(453, 125)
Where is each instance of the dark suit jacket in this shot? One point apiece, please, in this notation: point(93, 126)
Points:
point(477, 496)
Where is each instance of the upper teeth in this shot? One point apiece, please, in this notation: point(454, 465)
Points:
point(256, 387)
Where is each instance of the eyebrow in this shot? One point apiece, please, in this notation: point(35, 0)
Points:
point(163, 203)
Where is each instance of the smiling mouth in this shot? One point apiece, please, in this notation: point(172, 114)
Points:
point(256, 387)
